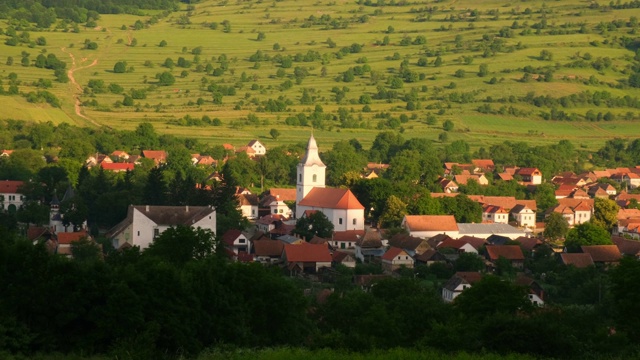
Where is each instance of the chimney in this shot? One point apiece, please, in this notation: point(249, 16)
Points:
point(187, 208)
point(147, 209)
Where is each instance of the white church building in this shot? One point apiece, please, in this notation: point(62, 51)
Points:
point(339, 205)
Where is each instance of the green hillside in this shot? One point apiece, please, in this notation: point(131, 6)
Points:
point(536, 71)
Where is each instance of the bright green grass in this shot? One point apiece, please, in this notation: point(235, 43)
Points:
point(282, 23)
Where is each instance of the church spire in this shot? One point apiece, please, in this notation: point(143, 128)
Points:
point(311, 157)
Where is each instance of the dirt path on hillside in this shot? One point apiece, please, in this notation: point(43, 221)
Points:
point(79, 90)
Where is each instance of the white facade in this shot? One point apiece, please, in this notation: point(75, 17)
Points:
point(249, 211)
point(525, 218)
point(581, 217)
point(11, 201)
point(141, 231)
point(449, 295)
point(496, 217)
point(258, 147)
point(310, 173)
point(281, 208)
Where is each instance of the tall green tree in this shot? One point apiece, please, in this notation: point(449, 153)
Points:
point(556, 226)
point(586, 234)
point(315, 224)
point(605, 213)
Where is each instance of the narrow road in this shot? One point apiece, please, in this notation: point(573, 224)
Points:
point(79, 90)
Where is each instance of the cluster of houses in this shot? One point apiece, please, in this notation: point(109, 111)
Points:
point(120, 161)
point(505, 233)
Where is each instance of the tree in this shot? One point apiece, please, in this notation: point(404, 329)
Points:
point(468, 261)
point(484, 70)
point(261, 36)
point(394, 211)
point(586, 234)
point(556, 226)
point(274, 134)
point(163, 43)
point(165, 79)
point(316, 224)
point(492, 295)
point(447, 125)
point(120, 67)
point(342, 159)
point(605, 213)
point(179, 245)
point(545, 196)
point(626, 297)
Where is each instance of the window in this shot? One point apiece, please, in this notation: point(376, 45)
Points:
point(156, 232)
point(299, 177)
point(281, 211)
point(241, 240)
point(275, 211)
point(253, 211)
point(354, 221)
point(138, 233)
point(340, 221)
point(314, 178)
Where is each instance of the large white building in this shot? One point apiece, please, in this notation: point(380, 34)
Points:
point(144, 223)
point(11, 198)
point(339, 205)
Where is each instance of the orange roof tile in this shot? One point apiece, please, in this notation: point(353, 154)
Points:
point(602, 253)
point(306, 252)
point(392, 253)
point(117, 166)
point(158, 155)
point(328, 198)
point(578, 260)
point(431, 222)
point(509, 252)
point(68, 238)
point(10, 186)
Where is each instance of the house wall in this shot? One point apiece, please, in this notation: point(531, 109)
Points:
point(535, 300)
point(259, 148)
point(581, 217)
point(8, 199)
point(430, 234)
point(143, 230)
point(501, 218)
point(526, 219)
point(249, 211)
point(280, 208)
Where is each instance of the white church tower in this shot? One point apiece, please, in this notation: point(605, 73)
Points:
point(311, 172)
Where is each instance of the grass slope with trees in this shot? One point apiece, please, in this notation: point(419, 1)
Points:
point(221, 71)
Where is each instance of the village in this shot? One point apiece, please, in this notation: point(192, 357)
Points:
point(339, 234)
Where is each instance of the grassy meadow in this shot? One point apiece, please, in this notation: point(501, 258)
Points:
point(454, 32)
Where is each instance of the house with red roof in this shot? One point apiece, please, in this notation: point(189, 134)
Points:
point(340, 206)
point(158, 156)
point(531, 176)
point(274, 201)
point(6, 153)
point(305, 257)
point(495, 214)
point(237, 242)
point(395, 258)
point(119, 154)
point(427, 226)
point(512, 253)
point(248, 205)
point(578, 260)
point(483, 165)
point(603, 254)
point(575, 211)
point(460, 246)
point(268, 251)
point(11, 198)
point(65, 239)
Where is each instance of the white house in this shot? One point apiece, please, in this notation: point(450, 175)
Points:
point(427, 226)
point(258, 147)
point(524, 216)
point(340, 206)
point(236, 241)
point(144, 223)
point(248, 205)
point(275, 200)
point(458, 283)
point(395, 258)
point(10, 197)
point(496, 214)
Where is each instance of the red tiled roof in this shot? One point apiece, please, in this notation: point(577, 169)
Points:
point(578, 260)
point(431, 223)
point(528, 171)
point(483, 163)
point(626, 246)
point(227, 146)
point(339, 256)
point(328, 198)
point(158, 155)
point(628, 214)
point(270, 219)
point(230, 236)
point(283, 194)
point(476, 242)
point(470, 276)
point(116, 166)
point(306, 252)
point(348, 235)
point(452, 243)
point(392, 253)
point(266, 247)
point(506, 202)
point(10, 186)
point(509, 252)
point(68, 238)
point(602, 253)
